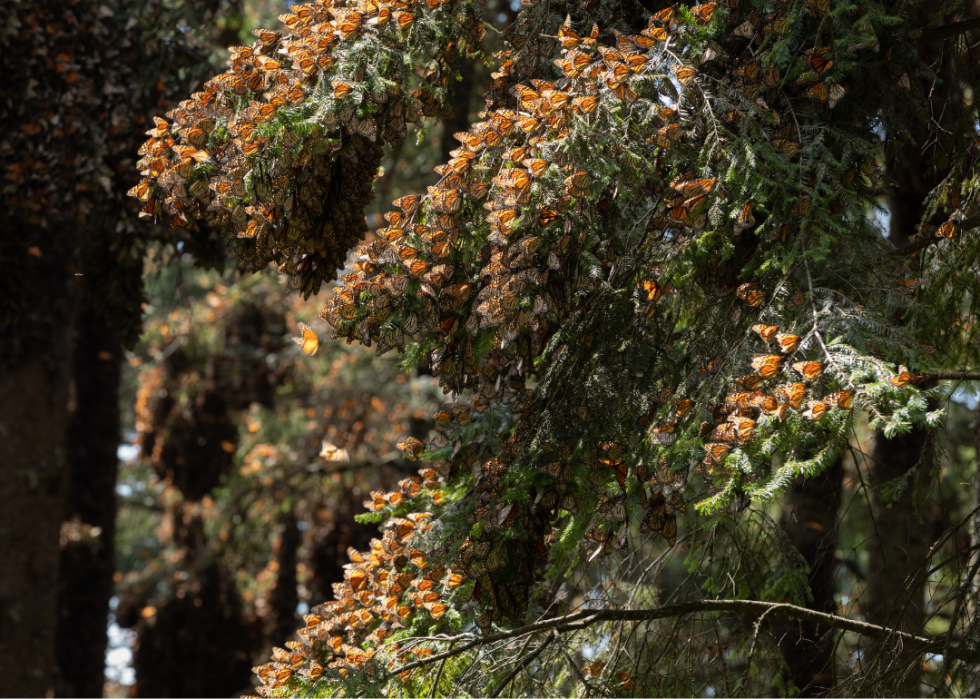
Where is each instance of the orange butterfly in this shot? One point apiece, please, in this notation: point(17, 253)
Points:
point(840, 399)
point(766, 332)
point(309, 341)
point(809, 370)
point(767, 365)
point(787, 343)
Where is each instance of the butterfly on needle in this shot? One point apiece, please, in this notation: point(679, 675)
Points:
point(309, 341)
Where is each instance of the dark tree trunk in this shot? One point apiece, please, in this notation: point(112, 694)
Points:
point(285, 595)
point(459, 100)
point(811, 524)
point(896, 556)
point(87, 565)
point(35, 360)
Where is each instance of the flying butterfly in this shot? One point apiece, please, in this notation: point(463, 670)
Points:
point(309, 341)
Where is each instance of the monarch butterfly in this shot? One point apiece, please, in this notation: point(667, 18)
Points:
point(655, 34)
point(585, 105)
point(613, 509)
point(766, 332)
point(746, 30)
point(691, 188)
point(767, 365)
point(797, 299)
point(809, 370)
point(684, 74)
point(667, 135)
point(309, 341)
point(816, 410)
point(749, 382)
point(835, 95)
point(950, 229)
point(702, 13)
point(903, 378)
point(745, 219)
point(408, 204)
point(655, 290)
point(663, 435)
point(716, 451)
point(340, 89)
point(331, 452)
point(713, 365)
point(576, 185)
point(840, 399)
point(787, 343)
point(683, 406)
point(751, 294)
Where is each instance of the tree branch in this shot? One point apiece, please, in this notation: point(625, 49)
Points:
point(928, 240)
point(583, 619)
point(953, 375)
point(951, 30)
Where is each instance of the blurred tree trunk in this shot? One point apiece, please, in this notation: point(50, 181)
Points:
point(35, 361)
point(811, 524)
point(285, 596)
point(87, 565)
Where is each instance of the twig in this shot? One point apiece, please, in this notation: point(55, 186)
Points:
point(521, 664)
point(585, 618)
point(442, 666)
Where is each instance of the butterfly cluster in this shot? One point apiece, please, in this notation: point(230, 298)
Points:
point(382, 590)
point(759, 395)
point(279, 153)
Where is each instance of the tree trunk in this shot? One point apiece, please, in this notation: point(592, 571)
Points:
point(35, 358)
point(811, 524)
point(87, 565)
point(896, 555)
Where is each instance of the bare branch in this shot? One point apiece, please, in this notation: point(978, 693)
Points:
point(583, 619)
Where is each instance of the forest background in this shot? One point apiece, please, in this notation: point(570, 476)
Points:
point(211, 471)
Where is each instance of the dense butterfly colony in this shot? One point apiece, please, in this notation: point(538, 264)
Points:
point(279, 153)
point(618, 300)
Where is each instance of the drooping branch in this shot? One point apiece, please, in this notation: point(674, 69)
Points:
point(584, 619)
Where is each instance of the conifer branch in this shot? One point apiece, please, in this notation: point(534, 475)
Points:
point(585, 618)
point(951, 30)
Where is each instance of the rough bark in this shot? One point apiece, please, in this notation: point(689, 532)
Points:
point(35, 357)
point(87, 565)
point(811, 524)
